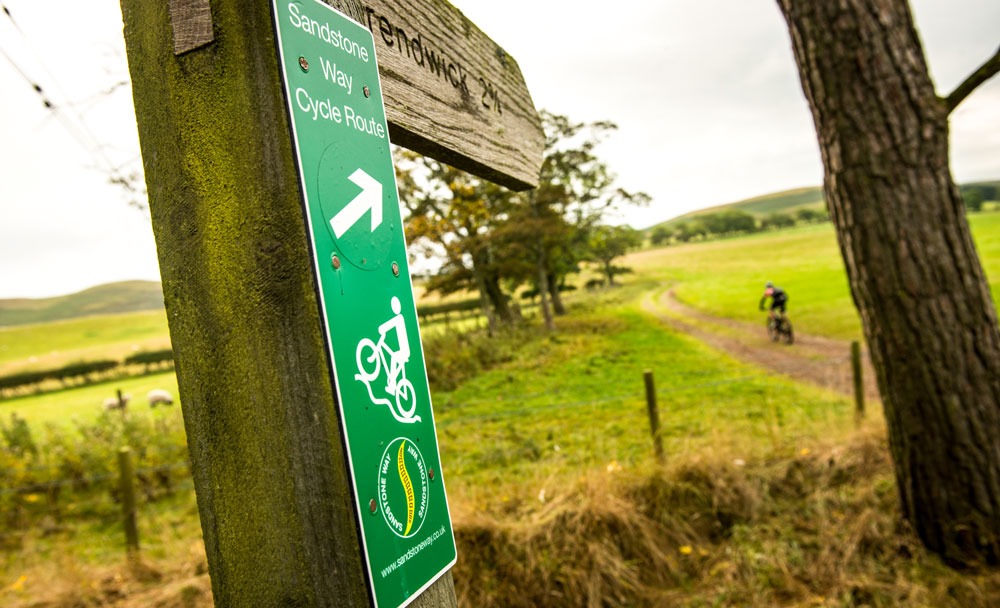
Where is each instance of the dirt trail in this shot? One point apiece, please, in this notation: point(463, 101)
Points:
point(824, 362)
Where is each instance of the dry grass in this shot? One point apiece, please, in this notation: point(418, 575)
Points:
point(65, 582)
point(818, 529)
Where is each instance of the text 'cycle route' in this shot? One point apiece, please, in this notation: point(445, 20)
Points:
point(317, 105)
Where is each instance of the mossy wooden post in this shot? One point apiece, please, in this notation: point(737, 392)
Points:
point(859, 382)
point(267, 455)
point(126, 487)
point(277, 520)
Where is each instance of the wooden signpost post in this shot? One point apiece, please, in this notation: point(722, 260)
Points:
point(280, 246)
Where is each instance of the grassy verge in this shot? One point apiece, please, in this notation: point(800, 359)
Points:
point(818, 528)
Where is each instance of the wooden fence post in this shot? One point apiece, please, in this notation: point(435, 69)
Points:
point(859, 384)
point(127, 487)
point(122, 401)
point(654, 415)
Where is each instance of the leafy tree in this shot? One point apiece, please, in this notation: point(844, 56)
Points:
point(975, 195)
point(925, 306)
point(576, 192)
point(488, 236)
point(986, 191)
point(608, 243)
point(661, 235)
point(809, 215)
point(732, 221)
point(690, 230)
point(777, 221)
point(454, 216)
point(543, 251)
point(973, 199)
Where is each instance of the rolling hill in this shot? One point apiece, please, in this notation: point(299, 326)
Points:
point(112, 298)
point(798, 198)
point(783, 202)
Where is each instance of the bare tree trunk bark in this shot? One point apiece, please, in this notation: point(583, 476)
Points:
point(913, 269)
point(484, 304)
point(498, 299)
point(542, 266)
point(488, 282)
point(543, 291)
point(557, 303)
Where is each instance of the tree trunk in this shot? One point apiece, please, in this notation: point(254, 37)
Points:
point(916, 279)
point(557, 303)
point(488, 282)
point(545, 284)
point(543, 289)
point(484, 304)
point(498, 299)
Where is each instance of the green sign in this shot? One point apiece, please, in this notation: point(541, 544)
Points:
point(352, 210)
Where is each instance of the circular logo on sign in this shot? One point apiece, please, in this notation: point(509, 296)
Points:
point(403, 491)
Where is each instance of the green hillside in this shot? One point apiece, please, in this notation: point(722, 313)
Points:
point(800, 198)
point(788, 200)
point(110, 299)
point(781, 201)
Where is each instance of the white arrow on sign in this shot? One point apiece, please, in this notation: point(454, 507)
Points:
point(370, 198)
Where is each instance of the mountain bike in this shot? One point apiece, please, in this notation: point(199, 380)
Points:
point(779, 327)
point(374, 357)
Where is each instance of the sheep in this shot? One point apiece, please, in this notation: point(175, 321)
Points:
point(159, 396)
point(114, 403)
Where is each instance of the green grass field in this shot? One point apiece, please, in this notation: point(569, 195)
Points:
point(726, 277)
point(575, 401)
point(723, 277)
point(51, 345)
point(84, 404)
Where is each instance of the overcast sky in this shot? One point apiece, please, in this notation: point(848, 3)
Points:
point(705, 95)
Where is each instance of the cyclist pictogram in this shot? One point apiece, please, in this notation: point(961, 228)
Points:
point(373, 357)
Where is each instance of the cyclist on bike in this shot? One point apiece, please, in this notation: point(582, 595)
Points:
point(778, 299)
point(398, 357)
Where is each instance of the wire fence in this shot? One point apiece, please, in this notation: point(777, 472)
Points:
point(57, 505)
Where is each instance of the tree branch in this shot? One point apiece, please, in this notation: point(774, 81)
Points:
point(981, 75)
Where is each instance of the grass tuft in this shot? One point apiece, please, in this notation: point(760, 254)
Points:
point(818, 528)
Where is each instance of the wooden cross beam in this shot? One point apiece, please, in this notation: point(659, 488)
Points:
point(451, 92)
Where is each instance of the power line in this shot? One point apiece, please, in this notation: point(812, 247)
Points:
point(34, 85)
point(86, 139)
point(11, 17)
point(74, 123)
